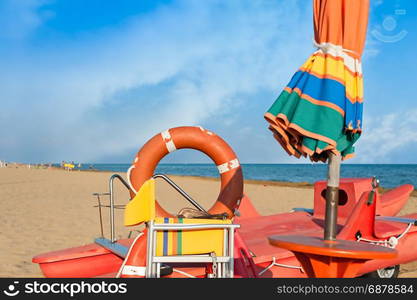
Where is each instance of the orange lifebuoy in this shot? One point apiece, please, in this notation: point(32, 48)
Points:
point(198, 138)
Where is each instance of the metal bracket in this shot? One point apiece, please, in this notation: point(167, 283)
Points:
point(375, 185)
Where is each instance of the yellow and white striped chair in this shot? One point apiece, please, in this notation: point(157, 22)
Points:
point(181, 240)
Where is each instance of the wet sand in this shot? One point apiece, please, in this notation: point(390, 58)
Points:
point(51, 209)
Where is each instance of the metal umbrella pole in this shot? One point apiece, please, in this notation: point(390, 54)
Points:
point(332, 197)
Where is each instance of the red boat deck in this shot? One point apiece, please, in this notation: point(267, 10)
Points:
point(255, 232)
point(354, 215)
point(255, 229)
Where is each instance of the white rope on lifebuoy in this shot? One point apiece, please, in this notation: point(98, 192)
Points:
point(169, 143)
point(128, 177)
point(228, 166)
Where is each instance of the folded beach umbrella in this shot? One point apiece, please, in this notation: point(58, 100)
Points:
point(319, 112)
point(321, 107)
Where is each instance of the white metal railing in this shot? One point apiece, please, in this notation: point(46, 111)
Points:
point(113, 206)
point(223, 266)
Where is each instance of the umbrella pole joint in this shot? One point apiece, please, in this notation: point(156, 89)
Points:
point(332, 197)
point(330, 221)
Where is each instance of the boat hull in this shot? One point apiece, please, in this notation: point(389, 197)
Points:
point(80, 262)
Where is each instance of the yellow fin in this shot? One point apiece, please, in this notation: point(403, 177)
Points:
point(142, 207)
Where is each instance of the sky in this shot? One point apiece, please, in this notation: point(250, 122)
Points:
point(91, 81)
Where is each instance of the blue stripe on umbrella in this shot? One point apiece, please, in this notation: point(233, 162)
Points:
point(328, 90)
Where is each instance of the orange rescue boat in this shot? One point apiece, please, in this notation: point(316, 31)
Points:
point(232, 239)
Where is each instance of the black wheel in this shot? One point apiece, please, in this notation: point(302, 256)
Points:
point(388, 272)
point(166, 270)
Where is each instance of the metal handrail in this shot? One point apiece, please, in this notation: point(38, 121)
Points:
point(194, 226)
point(99, 210)
point(181, 191)
point(164, 177)
point(112, 228)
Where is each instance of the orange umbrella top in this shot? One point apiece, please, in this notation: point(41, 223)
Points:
point(342, 23)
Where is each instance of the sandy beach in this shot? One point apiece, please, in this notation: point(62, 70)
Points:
point(51, 209)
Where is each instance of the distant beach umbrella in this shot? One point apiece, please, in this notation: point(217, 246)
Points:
point(319, 112)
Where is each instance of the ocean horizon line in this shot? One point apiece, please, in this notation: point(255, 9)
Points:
point(242, 163)
point(390, 175)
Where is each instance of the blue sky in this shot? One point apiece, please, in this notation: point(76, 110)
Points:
point(91, 81)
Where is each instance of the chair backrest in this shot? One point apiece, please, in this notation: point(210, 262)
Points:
point(174, 242)
point(142, 207)
point(185, 242)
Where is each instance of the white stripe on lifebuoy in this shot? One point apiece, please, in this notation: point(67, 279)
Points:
point(205, 130)
point(134, 270)
point(128, 178)
point(227, 166)
point(170, 146)
point(166, 135)
point(169, 143)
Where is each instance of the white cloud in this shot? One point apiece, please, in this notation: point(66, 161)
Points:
point(106, 92)
point(385, 135)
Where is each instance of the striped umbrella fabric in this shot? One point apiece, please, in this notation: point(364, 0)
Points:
point(320, 110)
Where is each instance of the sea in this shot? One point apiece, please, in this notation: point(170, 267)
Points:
point(390, 175)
